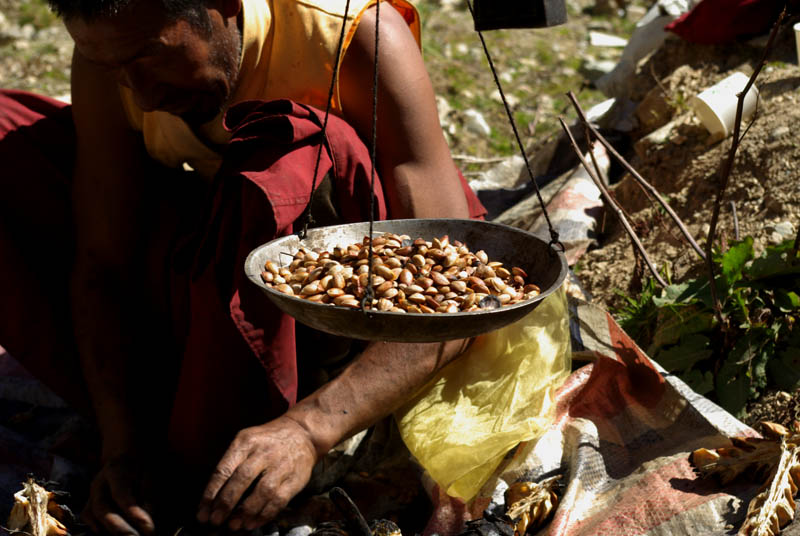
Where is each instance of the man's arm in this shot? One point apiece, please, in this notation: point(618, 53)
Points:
point(280, 454)
point(414, 160)
point(106, 200)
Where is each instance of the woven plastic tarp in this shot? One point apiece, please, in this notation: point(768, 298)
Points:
point(621, 437)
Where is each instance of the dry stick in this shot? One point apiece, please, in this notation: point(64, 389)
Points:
point(609, 200)
point(476, 160)
point(727, 166)
point(642, 182)
point(735, 221)
point(637, 275)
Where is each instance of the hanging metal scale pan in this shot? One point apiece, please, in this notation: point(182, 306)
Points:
point(545, 267)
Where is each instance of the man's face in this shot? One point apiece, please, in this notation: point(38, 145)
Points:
point(170, 65)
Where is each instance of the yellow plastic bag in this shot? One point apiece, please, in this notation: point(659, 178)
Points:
point(499, 393)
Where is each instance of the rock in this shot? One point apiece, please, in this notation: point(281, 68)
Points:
point(600, 39)
point(599, 24)
point(512, 100)
point(476, 123)
point(505, 175)
point(652, 141)
point(593, 68)
point(302, 530)
point(654, 111)
point(774, 204)
point(28, 32)
point(444, 109)
point(781, 231)
point(678, 139)
point(544, 102)
point(779, 132)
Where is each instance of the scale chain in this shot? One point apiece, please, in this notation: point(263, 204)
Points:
point(309, 219)
point(554, 241)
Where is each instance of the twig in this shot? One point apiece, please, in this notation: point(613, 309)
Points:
point(475, 160)
point(610, 201)
point(646, 186)
point(356, 523)
point(735, 221)
point(727, 167)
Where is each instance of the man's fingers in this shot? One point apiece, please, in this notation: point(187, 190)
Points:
point(235, 488)
point(102, 515)
point(226, 468)
point(263, 503)
point(122, 494)
point(90, 520)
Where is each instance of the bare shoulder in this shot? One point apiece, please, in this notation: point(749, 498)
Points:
point(395, 35)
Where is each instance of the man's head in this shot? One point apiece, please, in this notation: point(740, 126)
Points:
point(178, 56)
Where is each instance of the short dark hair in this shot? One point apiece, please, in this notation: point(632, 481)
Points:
point(192, 10)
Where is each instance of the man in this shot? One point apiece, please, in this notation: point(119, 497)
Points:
point(164, 331)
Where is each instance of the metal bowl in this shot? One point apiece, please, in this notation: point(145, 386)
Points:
point(546, 267)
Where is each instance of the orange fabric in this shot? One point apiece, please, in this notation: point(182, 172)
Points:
point(288, 52)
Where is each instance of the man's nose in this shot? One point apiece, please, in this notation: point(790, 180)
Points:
point(145, 91)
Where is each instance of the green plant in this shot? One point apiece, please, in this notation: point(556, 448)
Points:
point(758, 344)
point(36, 12)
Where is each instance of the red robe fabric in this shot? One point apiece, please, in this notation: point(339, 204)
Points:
point(237, 363)
point(715, 22)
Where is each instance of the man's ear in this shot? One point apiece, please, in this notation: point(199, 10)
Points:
point(229, 8)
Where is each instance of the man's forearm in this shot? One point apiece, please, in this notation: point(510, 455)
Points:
point(96, 325)
point(381, 379)
point(104, 313)
point(432, 190)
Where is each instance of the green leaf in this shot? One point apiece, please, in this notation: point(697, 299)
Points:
point(684, 355)
point(734, 260)
point(733, 387)
point(758, 367)
point(749, 347)
point(699, 291)
point(738, 305)
point(774, 262)
point(700, 382)
point(786, 300)
point(677, 322)
point(784, 370)
point(671, 294)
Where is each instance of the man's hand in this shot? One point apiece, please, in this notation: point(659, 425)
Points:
point(117, 499)
point(273, 461)
point(267, 465)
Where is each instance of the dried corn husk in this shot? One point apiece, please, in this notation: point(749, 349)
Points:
point(774, 459)
point(33, 511)
point(531, 503)
point(773, 508)
point(753, 456)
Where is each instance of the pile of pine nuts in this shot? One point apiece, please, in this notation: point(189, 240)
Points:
point(408, 276)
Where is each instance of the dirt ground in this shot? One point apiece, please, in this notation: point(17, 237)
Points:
point(684, 168)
